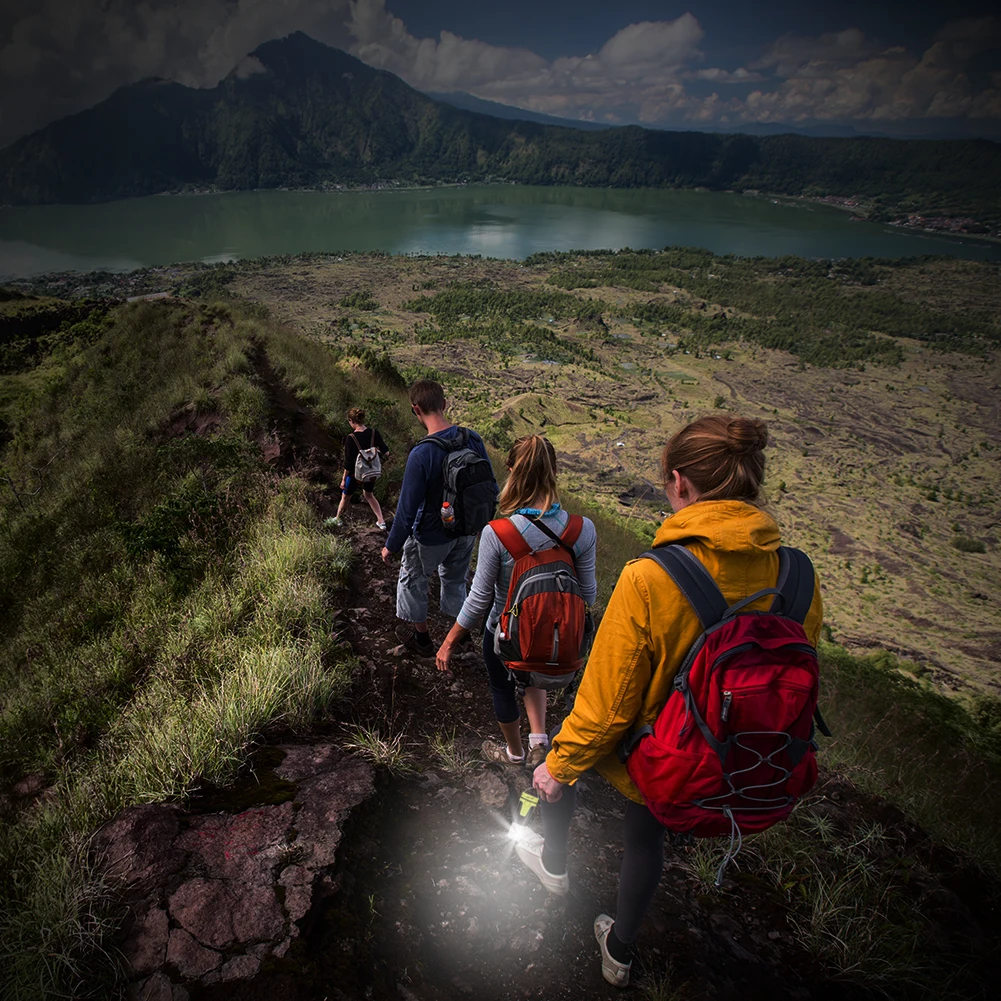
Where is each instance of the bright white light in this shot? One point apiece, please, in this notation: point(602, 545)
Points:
point(517, 832)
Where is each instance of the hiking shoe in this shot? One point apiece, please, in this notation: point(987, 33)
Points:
point(616, 973)
point(536, 755)
point(410, 638)
point(496, 753)
point(529, 849)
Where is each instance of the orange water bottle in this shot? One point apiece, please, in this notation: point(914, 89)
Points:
point(447, 514)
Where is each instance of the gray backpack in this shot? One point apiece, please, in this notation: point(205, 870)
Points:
point(469, 484)
point(368, 463)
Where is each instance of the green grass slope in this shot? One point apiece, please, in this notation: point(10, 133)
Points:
point(167, 602)
point(165, 599)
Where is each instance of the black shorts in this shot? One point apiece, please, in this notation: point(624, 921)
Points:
point(351, 484)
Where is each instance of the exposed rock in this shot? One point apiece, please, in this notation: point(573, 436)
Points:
point(204, 908)
point(327, 798)
point(297, 883)
point(190, 959)
point(492, 790)
point(643, 491)
point(225, 877)
point(257, 915)
point(30, 785)
point(137, 848)
point(241, 848)
point(146, 944)
point(156, 988)
point(240, 968)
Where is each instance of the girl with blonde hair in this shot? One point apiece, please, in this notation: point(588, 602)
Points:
point(531, 501)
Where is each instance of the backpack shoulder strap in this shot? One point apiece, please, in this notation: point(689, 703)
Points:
point(693, 580)
point(795, 584)
point(461, 440)
point(510, 538)
point(575, 525)
point(570, 533)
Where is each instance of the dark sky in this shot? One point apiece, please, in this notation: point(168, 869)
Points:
point(571, 27)
point(892, 66)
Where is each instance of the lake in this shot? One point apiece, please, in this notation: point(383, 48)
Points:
point(499, 220)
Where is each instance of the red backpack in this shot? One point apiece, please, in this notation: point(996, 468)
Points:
point(543, 628)
point(732, 749)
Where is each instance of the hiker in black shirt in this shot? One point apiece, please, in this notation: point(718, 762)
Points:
point(357, 446)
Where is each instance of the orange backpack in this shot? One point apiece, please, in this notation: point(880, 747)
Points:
point(545, 626)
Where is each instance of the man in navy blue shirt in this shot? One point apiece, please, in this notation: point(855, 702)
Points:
point(417, 529)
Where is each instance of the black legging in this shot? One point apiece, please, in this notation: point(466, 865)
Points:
point(642, 857)
point(502, 685)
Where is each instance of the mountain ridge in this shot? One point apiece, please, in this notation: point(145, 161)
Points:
point(296, 113)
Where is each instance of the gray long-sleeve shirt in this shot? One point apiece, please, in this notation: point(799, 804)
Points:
point(494, 565)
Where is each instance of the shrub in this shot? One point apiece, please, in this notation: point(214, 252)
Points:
point(359, 300)
point(967, 545)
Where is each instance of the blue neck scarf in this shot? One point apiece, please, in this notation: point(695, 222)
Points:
point(534, 512)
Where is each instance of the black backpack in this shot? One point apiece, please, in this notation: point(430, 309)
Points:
point(469, 484)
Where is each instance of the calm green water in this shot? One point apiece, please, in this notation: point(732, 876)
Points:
point(492, 220)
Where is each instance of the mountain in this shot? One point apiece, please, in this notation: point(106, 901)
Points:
point(467, 102)
point(297, 113)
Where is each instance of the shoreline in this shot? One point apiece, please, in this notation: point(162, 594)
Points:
point(857, 211)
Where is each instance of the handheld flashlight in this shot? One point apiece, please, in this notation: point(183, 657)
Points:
point(526, 804)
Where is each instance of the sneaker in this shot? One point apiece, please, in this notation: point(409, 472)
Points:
point(381, 525)
point(409, 637)
point(529, 850)
point(536, 755)
point(496, 753)
point(333, 523)
point(616, 973)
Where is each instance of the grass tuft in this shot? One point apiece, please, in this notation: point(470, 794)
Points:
point(389, 752)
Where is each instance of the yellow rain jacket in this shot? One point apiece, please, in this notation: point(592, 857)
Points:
point(649, 626)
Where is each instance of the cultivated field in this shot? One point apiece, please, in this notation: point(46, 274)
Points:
point(884, 468)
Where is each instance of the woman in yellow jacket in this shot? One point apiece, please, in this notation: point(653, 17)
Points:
point(713, 469)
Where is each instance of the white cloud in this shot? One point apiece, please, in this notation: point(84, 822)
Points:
point(823, 81)
point(59, 56)
point(717, 75)
point(791, 55)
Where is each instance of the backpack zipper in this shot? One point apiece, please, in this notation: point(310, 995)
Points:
point(561, 577)
point(724, 713)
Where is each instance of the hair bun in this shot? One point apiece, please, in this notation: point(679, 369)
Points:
point(745, 436)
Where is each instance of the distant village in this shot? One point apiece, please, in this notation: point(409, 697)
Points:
point(960, 225)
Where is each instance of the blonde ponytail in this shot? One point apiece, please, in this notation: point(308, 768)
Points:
point(532, 480)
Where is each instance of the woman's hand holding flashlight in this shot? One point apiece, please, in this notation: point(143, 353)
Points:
point(548, 788)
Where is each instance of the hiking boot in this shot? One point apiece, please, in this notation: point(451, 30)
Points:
point(410, 638)
point(536, 755)
point(496, 753)
point(529, 849)
point(616, 973)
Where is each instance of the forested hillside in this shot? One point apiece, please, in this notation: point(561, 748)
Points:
point(300, 114)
